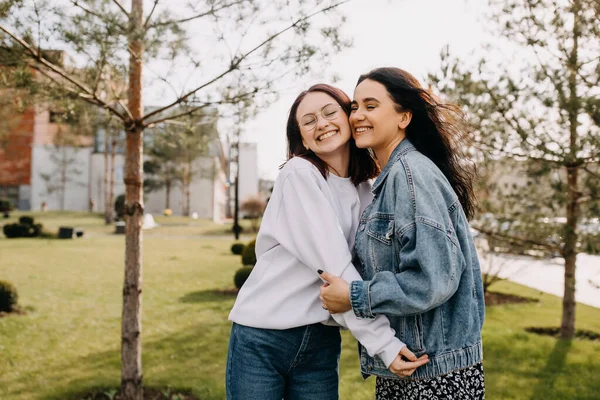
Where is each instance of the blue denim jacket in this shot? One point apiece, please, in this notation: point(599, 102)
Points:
point(420, 268)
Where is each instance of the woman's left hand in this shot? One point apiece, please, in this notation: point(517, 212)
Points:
point(335, 294)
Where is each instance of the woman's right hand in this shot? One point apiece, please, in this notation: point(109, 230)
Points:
point(406, 368)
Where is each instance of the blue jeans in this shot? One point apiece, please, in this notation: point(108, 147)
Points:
point(293, 364)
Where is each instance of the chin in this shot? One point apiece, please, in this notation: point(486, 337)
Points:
point(362, 142)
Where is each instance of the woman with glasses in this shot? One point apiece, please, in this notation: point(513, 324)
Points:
point(283, 343)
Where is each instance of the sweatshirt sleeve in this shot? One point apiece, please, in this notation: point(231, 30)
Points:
point(308, 228)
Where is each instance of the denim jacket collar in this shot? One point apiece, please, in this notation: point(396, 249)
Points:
point(404, 147)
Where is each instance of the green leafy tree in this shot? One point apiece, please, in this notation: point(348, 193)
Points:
point(536, 117)
point(193, 55)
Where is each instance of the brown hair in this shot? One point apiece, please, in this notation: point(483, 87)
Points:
point(362, 166)
point(436, 129)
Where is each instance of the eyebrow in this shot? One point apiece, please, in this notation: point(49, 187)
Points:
point(328, 104)
point(366, 100)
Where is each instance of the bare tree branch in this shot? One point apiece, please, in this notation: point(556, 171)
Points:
point(121, 7)
point(589, 171)
point(198, 108)
point(39, 58)
point(514, 239)
point(213, 10)
point(84, 96)
point(236, 62)
point(95, 14)
point(151, 12)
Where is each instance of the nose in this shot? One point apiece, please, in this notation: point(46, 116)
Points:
point(321, 122)
point(356, 116)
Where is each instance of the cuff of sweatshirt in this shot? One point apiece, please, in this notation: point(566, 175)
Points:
point(391, 351)
point(360, 299)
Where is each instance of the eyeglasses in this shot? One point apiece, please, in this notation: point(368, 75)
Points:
point(329, 112)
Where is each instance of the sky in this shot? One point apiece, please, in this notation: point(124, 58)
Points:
point(407, 34)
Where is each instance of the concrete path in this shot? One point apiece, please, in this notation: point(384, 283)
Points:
point(548, 275)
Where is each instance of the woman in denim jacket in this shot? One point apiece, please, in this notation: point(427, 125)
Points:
point(417, 256)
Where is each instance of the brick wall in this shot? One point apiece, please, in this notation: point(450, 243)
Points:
point(15, 155)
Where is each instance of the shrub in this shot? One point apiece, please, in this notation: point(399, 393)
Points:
point(12, 231)
point(237, 248)
point(5, 205)
point(26, 220)
point(120, 206)
point(249, 254)
point(8, 296)
point(241, 275)
point(25, 228)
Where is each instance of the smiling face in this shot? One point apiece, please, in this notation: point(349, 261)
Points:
point(375, 119)
point(323, 124)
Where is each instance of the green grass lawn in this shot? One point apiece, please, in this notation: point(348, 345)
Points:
point(69, 341)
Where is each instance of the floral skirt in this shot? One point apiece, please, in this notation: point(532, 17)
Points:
point(464, 384)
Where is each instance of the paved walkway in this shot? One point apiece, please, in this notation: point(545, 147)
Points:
point(548, 275)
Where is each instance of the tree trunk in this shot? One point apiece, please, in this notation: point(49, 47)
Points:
point(567, 327)
point(186, 187)
point(131, 330)
point(111, 183)
point(108, 215)
point(63, 178)
point(168, 194)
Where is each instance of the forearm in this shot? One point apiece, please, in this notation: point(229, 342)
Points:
point(376, 334)
point(398, 295)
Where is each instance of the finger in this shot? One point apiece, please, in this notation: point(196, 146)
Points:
point(409, 355)
point(327, 276)
point(414, 364)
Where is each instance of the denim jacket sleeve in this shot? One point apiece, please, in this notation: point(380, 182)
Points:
point(430, 261)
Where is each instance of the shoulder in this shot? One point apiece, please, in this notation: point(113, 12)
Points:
point(298, 168)
point(415, 168)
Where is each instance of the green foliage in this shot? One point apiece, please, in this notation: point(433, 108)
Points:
point(241, 275)
point(26, 220)
point(237, 248)
point(120, 206)
point(25, 228)
point(5, 205)
point(8, 296)
point(249, 254)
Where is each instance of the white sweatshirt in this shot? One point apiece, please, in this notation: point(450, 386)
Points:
point(309, 224)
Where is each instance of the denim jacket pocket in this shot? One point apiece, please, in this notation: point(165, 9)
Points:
point(380, 230)
point(381, 227)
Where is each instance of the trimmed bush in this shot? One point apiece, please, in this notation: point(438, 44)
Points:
point(241, 275)
point(120, 206)
point(26, 220)
point(249, 254)
point(5, 205)
point(12, 231)
point(237, 248)
point(25, 228)
point(8, 296)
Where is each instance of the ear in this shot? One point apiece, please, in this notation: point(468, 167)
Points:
point(404, 119)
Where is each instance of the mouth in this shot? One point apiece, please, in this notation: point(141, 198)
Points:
point(326, 135)
point(359, 130)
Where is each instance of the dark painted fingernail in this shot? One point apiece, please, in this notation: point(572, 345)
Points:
point(320, 271)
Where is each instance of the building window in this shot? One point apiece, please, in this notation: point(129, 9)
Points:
point(11, 193)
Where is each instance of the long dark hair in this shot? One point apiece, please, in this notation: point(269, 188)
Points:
point(362, 166)
point(437, 130)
